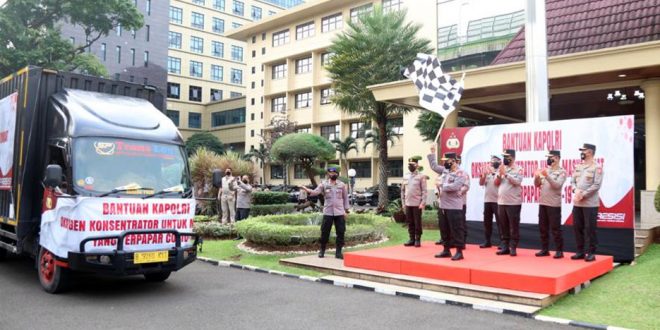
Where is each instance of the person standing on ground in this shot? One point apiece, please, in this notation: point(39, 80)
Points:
point(452, 205)
point(586, 182)
point(226, 196)
point(413, 198)
point(442, 218)
point(487, 180)
point(509, 202)
point(243, 198)
point(550, 180)
point(335, 209)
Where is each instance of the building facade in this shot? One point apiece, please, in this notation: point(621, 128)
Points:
point(205, 67)
point(286, 3)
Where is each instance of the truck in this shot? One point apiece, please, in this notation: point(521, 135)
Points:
point(94, 178)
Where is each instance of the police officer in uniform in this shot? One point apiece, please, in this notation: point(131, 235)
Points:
point(227, 196)
point(550, 180)
point(441, 214)
point(334, 210)
point(586, 182)
point(509, 201)
point(487, 180)
point(453, 226)
point(413, 197)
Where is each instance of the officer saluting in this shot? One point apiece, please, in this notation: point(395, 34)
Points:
point(413, 198)
point(586, 183)
point(550, 180)
point(452, 206)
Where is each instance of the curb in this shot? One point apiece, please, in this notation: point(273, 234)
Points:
point(429, 299)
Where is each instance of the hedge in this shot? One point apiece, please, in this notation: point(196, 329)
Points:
point(269, 198)
point(258, 210)
point(205, 218)
point(304, 229)
point(657, 199)
point(215, 230)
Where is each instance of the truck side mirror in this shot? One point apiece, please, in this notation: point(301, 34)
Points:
point(217, 178)
point(53, 176)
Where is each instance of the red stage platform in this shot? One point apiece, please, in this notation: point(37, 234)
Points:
point(525, 272)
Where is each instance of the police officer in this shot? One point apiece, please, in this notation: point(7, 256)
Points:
point(413, 197)
point(227, 197)
point(509, 201)
point(334, 210)
point(441, 214)
point(452, 206)
point(487, 180)
point(243, 198)
point(550, 180)
point(586, 182)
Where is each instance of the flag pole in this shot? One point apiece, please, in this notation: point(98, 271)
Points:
point(437, 137)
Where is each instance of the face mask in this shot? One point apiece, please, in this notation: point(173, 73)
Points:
point(583, 155)
point(507, 161)
point(495, 165)
point(412, 168)
point(228, 173)
point(334, 177)
point(245, 181)
point(448, 165)
point(550, 161)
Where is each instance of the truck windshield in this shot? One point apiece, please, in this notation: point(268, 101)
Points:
point(103, 164)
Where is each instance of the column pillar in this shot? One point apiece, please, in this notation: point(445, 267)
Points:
point(652, 123)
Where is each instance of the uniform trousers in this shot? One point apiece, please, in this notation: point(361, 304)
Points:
point(510, 216)
point(550, 220)
point(585, 220)
point(340, 229)
point(490, 211)
point(452, 228)
point(414, 219)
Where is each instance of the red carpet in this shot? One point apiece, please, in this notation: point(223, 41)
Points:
point(525, 272)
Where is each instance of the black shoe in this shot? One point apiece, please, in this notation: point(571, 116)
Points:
point(409, 243)
point(542, 253)
point(558, 255)
point(578, 256)
point(339, 255)
point(503, 252)
point(590, 257)
point(485, 245)
point(444, 254)
point(440, 242)
point(458, 255)
point(418, 243)
point(513, 252)
point(321, 254)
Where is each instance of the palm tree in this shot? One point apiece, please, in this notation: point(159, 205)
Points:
point(372, 51)
point(343, 147)
point(373, 137)
point(263, 156)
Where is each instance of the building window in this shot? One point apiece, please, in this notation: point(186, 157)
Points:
point(176, 15)
point(236, 76)
point(237, 53)
point(173, 90)
point(173, 115)
point(133, 56)
point(299, 172)
point(304, 130)
point(118, 51)
point(216, 72)
point(256, 13)
point(197, 20)
point(447, 36)
point(218, 25)
point(235, 25)
point(216, 94)
point(194, 120)
point(332, 22)
point(279, 71)
point(198, 2)
point(360, 11)
point(395, 168)
point(217, 49)
point(253, 85)
point(326, 58)
point(330, 132)
point(303, 100)
point(72, 40)
point(196, 45)
point(271, 13)
point(148, 30)
point(235, 94)
point(326, 95)
point(238, 8)
point(118, 29)
point(276, 172)
point(362, 169)
point(397, 125)
point(195, 94)
point(148, 7)
point(173, 65)
point(103, 51)
point(219, 4)
point(358, 130)
point(229, 117)
point(279, 104)
point(196, 69)
point(304, 65)
point(146, 58)
point(174, 40)
point(305, 31)
point(391, 5)
point(280, 38)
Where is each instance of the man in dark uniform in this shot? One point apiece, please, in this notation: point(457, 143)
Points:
point(586, 182)
point(509, 202)
point(413, 198)
point(550, 180)
point(452, 205)
point(487, 180)
point(334, 210)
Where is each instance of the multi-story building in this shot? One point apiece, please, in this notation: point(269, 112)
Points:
point(286, 3)
point(287, 79)
point(205, 67)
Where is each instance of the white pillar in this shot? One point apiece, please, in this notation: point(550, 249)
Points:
point(536, 62)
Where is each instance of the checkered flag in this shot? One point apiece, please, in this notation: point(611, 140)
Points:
point(438, 92)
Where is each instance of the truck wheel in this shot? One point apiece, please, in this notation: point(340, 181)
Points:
point(3, 254)
point(361, 203)
point(373, 202)
point(53, 278)
point(157, 277)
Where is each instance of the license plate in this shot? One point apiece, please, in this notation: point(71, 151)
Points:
point(148, 257)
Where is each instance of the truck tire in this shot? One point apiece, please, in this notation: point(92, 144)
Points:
point(53, 278)
point(3, 254)
point(157, 276)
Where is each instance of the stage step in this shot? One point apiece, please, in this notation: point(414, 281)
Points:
point(433, 296)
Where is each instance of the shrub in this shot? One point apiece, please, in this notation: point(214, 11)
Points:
point(430, 219)
point(215, 230)
point(205, 218)
point(303, 229)
point(269, 198)
point(258, 210)
point(657, 199)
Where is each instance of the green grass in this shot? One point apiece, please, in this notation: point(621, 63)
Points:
point(629, 296)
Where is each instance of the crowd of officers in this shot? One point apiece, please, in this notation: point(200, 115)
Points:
point(503, 199)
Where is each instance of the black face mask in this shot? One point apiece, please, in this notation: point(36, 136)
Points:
point(448, 165)
point(495, 165)
point(507, 161)
point(583, 155)
point(550, 161)
point(334, 177)
point(245, 181)
point(412, 168)
point(228, 173)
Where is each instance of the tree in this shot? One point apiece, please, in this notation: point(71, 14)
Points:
point(343, 147)
point(303, 148)
point(371, 52)
point(207, 140)
point(30, 32)
point(262, 155)
point(373, 137)
point(429, 123)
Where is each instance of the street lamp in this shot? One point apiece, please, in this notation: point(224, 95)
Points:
point(351, 175)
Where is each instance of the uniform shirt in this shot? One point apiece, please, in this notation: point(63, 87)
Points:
point(509, 191)
point(434, 165)
point(490, 192)
point(466, 186)
point(243, 195)
point(336, 197)
point(452, 182)
point(228, 185)
point(551, 187)
point(413, 190)
point(587, 178)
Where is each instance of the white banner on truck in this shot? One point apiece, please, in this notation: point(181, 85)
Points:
point(7, 132)
point(65, 224)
